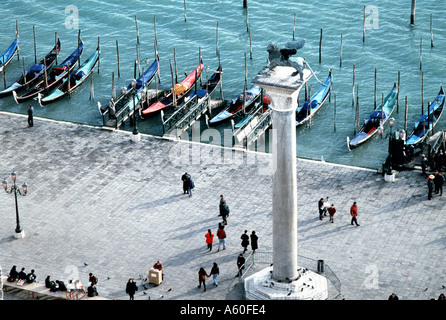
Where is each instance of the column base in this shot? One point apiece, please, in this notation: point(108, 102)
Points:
point(308, 286)
point(19, 235)
point(136, 137)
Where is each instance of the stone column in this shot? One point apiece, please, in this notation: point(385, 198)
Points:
point(283, 90)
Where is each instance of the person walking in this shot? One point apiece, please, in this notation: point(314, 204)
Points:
point(30, 115)
point(440, 182)
point(354, 213)
point(215, 271)
point(224, 209)
point(245, 240)
point(424, 163)
point(131, 288)
point(221, 235)
point(240, 264)
point(436, 184)
point(93, 279)
point(326, 205)
point(331, 211)
point(430, 186)
point(320, 206)
point(254, 239)
point(190, 185)
point(185, 178)
point(202, 275)
point(209, 239)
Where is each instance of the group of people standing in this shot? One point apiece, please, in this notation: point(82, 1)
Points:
point(325, 207)
point(435, 183)
point(221, 235)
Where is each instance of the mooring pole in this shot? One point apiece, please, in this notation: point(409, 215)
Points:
point(294, 26)
point(340, 59)
point(117, 52)
point(405, 116)
point(35, 44)
point(398, 93)
point(185, 16)
point(432, 34)
point(17, 37)
point(363, 26)
point(320, 47)
point(421, 53)
point(412, 12)
point(375, 86)
point(353, 87)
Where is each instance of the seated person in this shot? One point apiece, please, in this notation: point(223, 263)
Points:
point(92, 291)
point(22, 274)
point(31, 277)
point(13, 274)
point(61, 285)
point(158, 265)
point(50, 284)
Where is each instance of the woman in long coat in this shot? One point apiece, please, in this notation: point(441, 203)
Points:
point(131, 288)
point(254, 239)
point(245, 240)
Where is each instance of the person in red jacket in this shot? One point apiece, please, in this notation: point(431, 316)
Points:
point(209, 239)
point(221, 235)
point(354, 213)
point(331, 211)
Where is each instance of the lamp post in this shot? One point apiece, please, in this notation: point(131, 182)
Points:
point(389, 176)
point(136, 136)
point(19, 233)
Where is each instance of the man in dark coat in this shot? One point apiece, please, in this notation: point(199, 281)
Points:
point(254, 239)
point(430, 186)
point(440, 183)
point(245, 240)
point(240, 264)
point(131, 288)
point(30, 115)
point(184, 178)
point(320, 206)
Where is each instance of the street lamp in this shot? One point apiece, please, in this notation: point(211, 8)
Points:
point(136, 136)
point(19, 233)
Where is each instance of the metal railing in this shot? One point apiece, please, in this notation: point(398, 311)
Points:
point(261, 260)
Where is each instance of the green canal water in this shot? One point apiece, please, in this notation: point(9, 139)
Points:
point(391, 45)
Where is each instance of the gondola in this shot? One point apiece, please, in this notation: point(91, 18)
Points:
point(237, 106)
point(311, 106)
point(376, 120)
point(54, 77)
point(34, 73)
point(181, 89)
point(207, 88)
point(427, 121)
point(73, 81)
point(126, 95)
point(261, 108)
point(8, 54)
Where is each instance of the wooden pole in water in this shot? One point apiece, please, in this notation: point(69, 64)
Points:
point(428, 118)
point(422, 93)
point(55, 42)
point(99, 54)
point(357, 106)
point(398, 93)
point(375, 87)
point(92, 87)
point(174, 95)
point(363, 26)
point(245, 3)
point(320, 47)
point(156, 49)
point(331, 87)
point(217, 51)
point(78, 47)
point(113, 85)
point(4, 73)
point(244, 88)
point(421, 53)
point(250, 44)
point(405, 116)
point(117, 52)
point(247, 16)
point(17, 37)
point(35, 44)
point(334, 122)
point(175, 64)
point(412, 12)
point(432, 34)
point(24, 69)
point(185, 17)
point(199, 61)
point(353, 87)
point(340, 59)
point(46, 77)
point(294, 26)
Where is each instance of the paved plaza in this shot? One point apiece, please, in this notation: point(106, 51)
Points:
point(100, 203)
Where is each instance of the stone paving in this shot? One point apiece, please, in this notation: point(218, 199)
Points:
point(97, 198)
